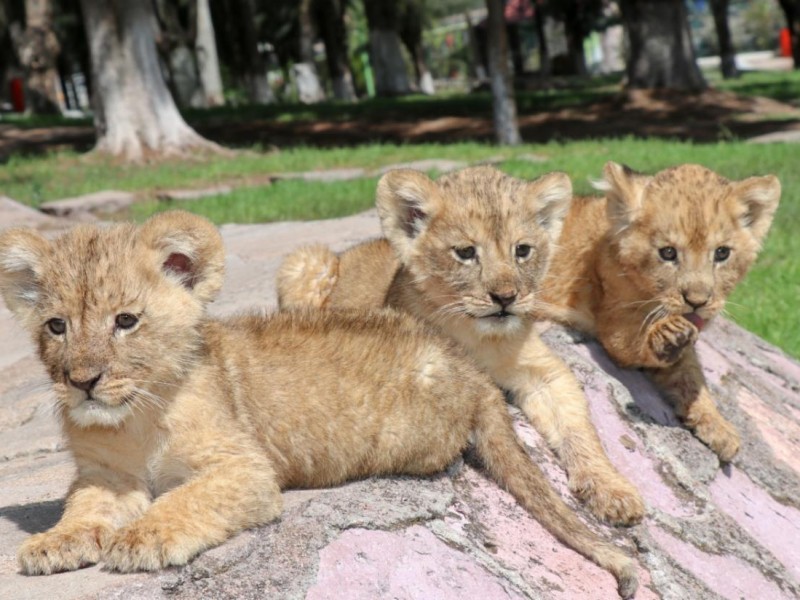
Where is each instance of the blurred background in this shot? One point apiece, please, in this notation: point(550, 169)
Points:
point(264, 110)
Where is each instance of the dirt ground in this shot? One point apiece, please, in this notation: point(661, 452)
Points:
point(706, 117)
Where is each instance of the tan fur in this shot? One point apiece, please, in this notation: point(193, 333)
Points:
point(425, 222)
point(608, 270)
point(191, 426)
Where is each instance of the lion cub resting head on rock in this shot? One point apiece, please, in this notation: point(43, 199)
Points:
point(647, 267)
point(468, 253)
point(186, 428)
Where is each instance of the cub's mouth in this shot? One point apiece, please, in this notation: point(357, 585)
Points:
point(499, 315)
point(695, 320)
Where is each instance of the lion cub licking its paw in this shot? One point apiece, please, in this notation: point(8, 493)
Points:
point(185, 428)
point(647, 267)
point(468, 253)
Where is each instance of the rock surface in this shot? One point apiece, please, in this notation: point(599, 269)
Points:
point(709, 533)
point(105, 201)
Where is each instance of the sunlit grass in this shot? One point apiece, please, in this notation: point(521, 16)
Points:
point(766, 302)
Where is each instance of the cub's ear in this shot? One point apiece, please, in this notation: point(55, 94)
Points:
point(551, 195)
point(22, 256)
point(624, 189)
point(190, 250)
point(407, 200)
point(759, 198)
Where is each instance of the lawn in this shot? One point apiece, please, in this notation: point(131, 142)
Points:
point(765, 302)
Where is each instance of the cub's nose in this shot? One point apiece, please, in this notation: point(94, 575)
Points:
point(696, 300)
point(85, 385)
point(504, 298)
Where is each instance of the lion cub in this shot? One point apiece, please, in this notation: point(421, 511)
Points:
point(468, 253)
point(648, 266)
point(185, 428)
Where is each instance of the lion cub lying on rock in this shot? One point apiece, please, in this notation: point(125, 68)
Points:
point(468, 253)
point(186, 428)
point(645, 268)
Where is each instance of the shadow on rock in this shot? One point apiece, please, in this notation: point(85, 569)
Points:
point(34, 517)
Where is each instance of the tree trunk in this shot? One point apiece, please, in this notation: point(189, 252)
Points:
point(411, 34)
point(385, 54)
point(503, 103)
point(205, 47)
point(661, 53)
point(254, 68)
point(175, 42)
point(575, 35)
point(38, 49)
point(727, 53)
point(791, 9)
point(306, 78)
point(544, 55)
point(135, 115)
point(330, 18)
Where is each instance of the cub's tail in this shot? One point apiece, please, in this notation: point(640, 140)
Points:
point(508, 463)
point(307, 277)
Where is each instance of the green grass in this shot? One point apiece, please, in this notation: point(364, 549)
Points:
point(778, 85)
point(291, 200)
point(766, 302)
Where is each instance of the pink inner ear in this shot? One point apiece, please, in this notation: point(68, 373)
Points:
point(414, 214)
point(180, 264)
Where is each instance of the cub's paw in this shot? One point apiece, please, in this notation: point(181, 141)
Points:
point(719, 435)
point(65, 550)
point(668, 338)
point(611, 498)
point(143, 547)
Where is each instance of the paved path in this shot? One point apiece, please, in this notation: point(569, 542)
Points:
point(709, 533)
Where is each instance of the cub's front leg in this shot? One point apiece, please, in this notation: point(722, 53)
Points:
point(96, 505)
point(667, 339)
point(220, 500)
point(685, 386)
point(631, 343)
point(552, 399)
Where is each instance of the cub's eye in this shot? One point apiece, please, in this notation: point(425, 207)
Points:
point(57, 326)
point(125, 320)
point(465, 253)
point(721, 254)
point(522, 251)
point(668, 253)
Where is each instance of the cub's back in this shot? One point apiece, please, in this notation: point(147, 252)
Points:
point(571, 276)
point(388, 381)
point(366, 272)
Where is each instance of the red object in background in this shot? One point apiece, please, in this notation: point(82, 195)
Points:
point(17, 94)
point(786, 42)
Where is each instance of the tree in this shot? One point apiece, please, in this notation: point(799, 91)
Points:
point(135, 116)
point(504, 105)
point(329, 15)
point(306, 78)
point(175, 42)
point(661, 53)
point(544, 54)
point(253, 66)
point(38, 49)
point(205, 47)
point(791, 9)
point(727, 53)
point(385, 53)
point(411, 35)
